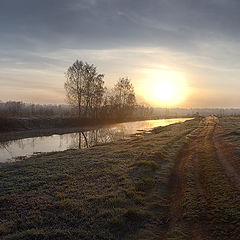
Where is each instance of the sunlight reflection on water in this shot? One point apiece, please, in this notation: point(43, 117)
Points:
point(20, 149)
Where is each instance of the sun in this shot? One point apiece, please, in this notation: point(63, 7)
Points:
point(164, 88)
point(164, 91)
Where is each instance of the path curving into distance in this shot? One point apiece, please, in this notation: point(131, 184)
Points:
point(204, 187)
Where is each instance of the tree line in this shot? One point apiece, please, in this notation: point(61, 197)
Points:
point(21, 109)
point(86, 93)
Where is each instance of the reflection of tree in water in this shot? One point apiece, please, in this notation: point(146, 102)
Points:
point(109, 134)
point(61, 139)
point(5, 145)
point(19, 143)
point(98, 136)
point(33, 143)
point(74, 141)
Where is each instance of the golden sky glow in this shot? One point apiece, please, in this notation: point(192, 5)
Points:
point(164, 88)
point(176, 53)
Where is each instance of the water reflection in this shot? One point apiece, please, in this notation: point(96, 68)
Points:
point(97, 136)
point(20, 149)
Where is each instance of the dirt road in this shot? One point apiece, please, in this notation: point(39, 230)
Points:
point(204, 188)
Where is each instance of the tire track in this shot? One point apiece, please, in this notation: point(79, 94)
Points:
point(194, 197)
point(226, 156)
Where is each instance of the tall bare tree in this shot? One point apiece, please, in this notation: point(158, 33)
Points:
point(81, 85)
point(93, 89)
point(74, 84)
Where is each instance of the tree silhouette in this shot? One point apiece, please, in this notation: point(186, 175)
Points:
point(84, 87)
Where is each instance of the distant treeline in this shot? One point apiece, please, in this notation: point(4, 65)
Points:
point(18, 109)
point(15, 115)
point(193, 112)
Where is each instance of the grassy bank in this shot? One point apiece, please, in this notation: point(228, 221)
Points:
point(113, 191)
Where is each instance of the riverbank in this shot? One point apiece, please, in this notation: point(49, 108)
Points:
point(10, 124)
point(146, 187)
point(15, 135)
point(48, 131)
point(17, 128)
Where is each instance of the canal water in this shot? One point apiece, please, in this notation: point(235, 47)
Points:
point(26, 147)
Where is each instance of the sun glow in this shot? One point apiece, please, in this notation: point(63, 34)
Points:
point(164, 91)
point(164, 88)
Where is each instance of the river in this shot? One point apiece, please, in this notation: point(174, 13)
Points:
point(22, 148)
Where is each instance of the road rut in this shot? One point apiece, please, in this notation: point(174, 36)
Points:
point(204, 188)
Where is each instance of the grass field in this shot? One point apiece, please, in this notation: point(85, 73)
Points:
point(169, 184)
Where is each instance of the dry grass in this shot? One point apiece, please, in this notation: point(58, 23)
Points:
point(121, 190)
point(114, 191)
point(231, 126)
point(204, 203)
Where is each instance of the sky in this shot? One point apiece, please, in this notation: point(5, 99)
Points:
point(192, 44)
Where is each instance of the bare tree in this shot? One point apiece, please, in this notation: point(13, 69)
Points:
point(74, 84)
point(82, 82)
point(93, 89)
point(85, 90)
point(124, 95)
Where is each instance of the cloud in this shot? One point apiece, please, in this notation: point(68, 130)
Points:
point(113, 24)
point(121, 37)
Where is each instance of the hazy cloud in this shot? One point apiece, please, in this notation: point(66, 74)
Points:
point(200, 37)
point(112, 23)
